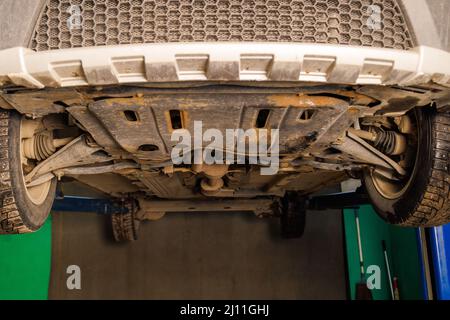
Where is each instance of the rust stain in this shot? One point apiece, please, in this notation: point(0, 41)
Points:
point(124, 101)
point(317, 100)
point(184, 102)
point(302, 101)
point(357, 98)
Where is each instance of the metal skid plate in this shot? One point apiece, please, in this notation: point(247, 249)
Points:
point(328, 117)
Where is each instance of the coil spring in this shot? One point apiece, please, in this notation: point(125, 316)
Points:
point(385, 141)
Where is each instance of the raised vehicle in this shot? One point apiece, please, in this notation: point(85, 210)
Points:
point(95, 91)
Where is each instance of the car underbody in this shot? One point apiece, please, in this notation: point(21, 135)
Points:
point(117, 139)
point(171, 107)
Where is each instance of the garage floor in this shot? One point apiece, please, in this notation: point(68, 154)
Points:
point(200, 256)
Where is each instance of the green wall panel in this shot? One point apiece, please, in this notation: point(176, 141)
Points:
point(25, 264)
point(402, 251)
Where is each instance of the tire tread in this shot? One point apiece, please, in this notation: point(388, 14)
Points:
point(434, 207)
point(10, 219)
point(124, 225)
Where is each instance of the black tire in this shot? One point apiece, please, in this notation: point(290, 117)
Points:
point(18, 213)
point(425, 201)
point(125, 226)
point(293, 216)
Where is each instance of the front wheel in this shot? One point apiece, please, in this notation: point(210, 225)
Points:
point(23, 209)
point(422, 198)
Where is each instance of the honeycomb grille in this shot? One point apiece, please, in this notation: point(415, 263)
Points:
point(112, 22)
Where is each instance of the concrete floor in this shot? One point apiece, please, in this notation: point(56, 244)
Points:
point(200, 256)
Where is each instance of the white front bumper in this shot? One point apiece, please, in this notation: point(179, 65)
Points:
point(223, 62)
